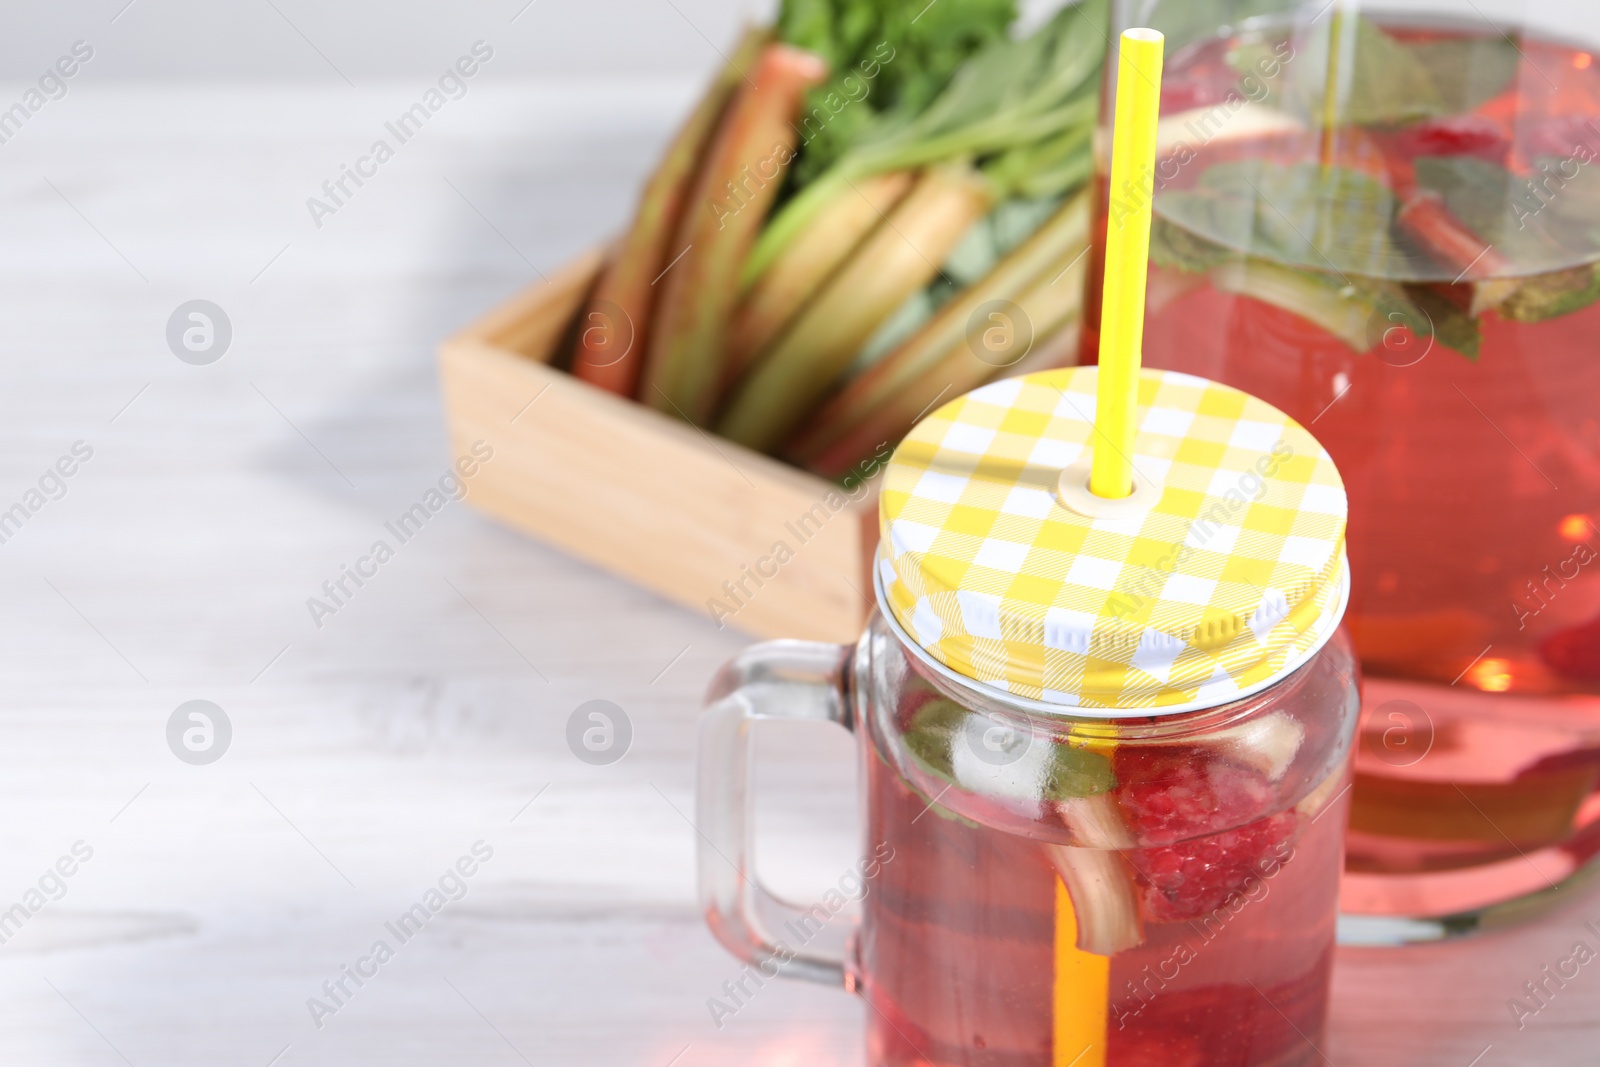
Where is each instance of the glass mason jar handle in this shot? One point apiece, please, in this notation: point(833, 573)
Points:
point(775, 680)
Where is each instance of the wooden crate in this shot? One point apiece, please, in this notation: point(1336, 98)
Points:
point(694, 517)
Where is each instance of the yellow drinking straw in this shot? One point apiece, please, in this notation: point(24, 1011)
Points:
point(1330, 88)
point(1133, 173)
point(1081, 998)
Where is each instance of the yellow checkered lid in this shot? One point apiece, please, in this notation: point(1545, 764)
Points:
point(1222, 573)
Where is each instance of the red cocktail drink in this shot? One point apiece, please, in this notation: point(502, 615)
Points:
point(1214, 916)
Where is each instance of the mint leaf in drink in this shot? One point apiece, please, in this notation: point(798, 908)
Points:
point(1549, 296)
point(1382, 81)
point(932, 804)
point(1069, 770)
point(931, 731)
point(1387, 84)
point(1251, 58)
point(1468, 71)
point(1175, 248)
point(1077, 772)
point(1314, 241)
point(1476, 191)
point(1299, 214)
point(1490, 201)
point(1546, 222)
point(1359, 311)
point(1569, 187)
point(1452, 325)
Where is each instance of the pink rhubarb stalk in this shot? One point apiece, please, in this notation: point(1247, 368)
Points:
point(737, 183)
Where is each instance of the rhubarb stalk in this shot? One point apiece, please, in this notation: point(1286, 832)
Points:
point(803, 266)
point(939, 360)
point(726, 207)
point(1425, 219)
point(899, 258)
point(612, 334)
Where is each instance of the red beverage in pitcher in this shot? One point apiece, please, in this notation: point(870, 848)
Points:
point(1417, 283)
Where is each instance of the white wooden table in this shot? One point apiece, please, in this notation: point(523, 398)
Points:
point(429, 712)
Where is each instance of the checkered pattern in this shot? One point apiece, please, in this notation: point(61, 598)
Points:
point(1225, 583)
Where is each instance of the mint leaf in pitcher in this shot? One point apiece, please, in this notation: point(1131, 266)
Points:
point(1468, 72)
point(1549, 296)
point(1176, 248)
point(1381, 81)
point(1362, 312)
point(1569, 188)
point(1541, 223)
point(1451, 324)
point(1387, 85)
point(1297, 214)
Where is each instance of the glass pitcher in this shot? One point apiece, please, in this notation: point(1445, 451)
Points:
point(1384, 219)
point(1077, 850)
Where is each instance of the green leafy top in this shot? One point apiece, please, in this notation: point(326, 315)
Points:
point(885, 56)
point(1009, 94)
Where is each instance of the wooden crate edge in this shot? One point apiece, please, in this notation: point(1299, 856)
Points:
point(786, 611)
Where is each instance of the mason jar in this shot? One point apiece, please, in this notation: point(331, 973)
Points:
point(1107, 837)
